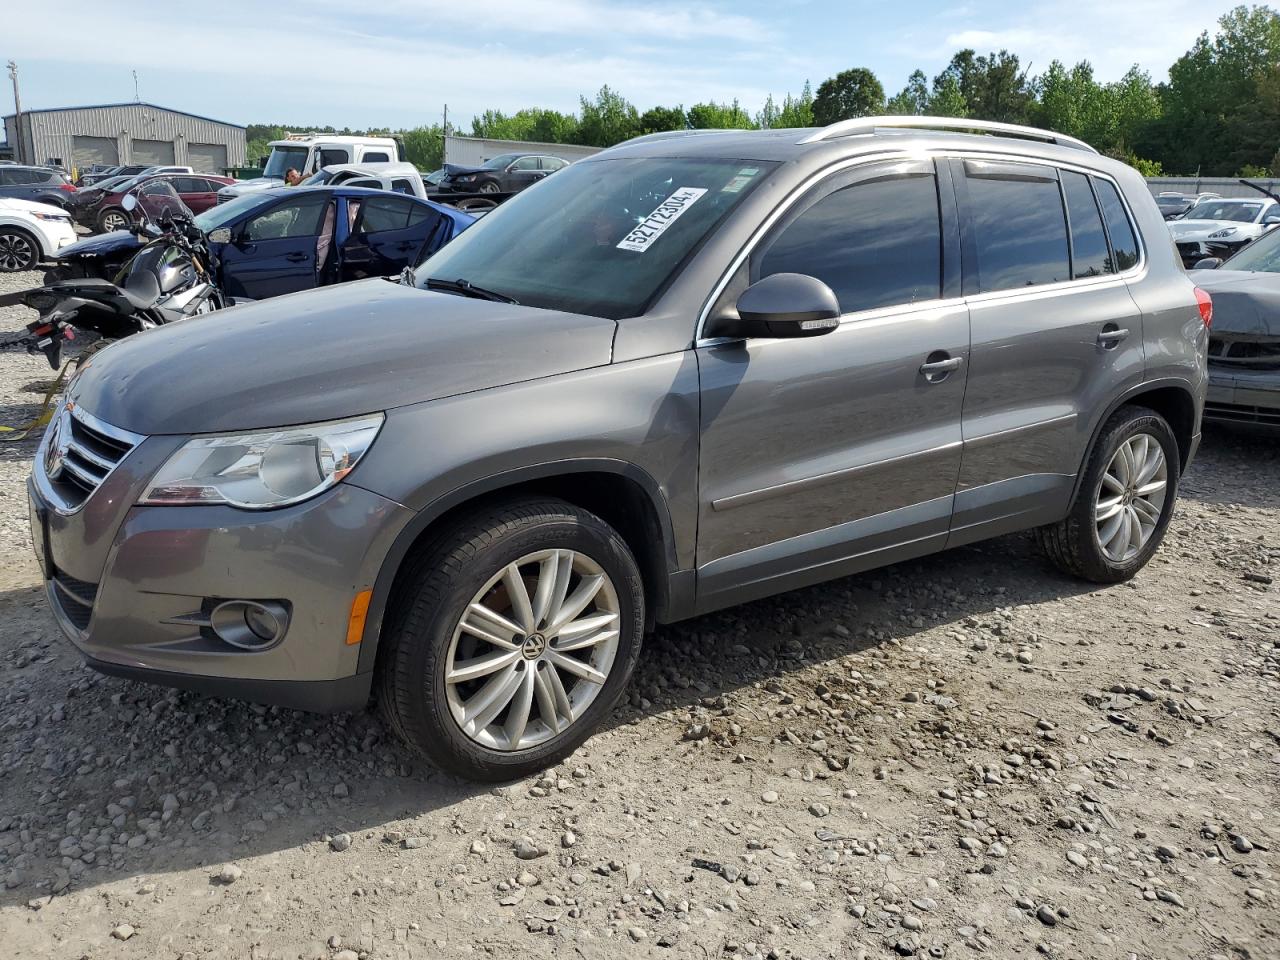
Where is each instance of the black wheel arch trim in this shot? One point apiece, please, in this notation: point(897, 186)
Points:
point(1129, 396)
point(675, 590)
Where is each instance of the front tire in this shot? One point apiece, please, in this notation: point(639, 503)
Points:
point(1124, 503)
point(489, 186)
point(112, 219)
point(19, 250)
point(510, 638)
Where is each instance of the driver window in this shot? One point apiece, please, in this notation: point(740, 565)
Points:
point(526, 163)
point(295, 218)
point(331, 155)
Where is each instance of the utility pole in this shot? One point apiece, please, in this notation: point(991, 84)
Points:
point(446, 119)
point(20, 154)
point(136, 98)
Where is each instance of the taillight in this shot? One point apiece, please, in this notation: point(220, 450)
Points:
point(1205, 302)
point(69, 187)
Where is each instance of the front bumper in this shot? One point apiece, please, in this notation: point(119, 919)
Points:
point(1193, 251)
point(1243, 396)
point(127, 584)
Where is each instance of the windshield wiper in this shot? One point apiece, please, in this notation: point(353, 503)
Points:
point(469, 289)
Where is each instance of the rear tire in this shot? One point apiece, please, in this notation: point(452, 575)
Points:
point(1124, 503)
point(19, 250)
point(502, 709)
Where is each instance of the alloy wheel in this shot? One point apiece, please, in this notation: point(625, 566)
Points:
point(114, 221)
point(1130, 497)
point(532, 650)
point(16, 252)
point(489, 187)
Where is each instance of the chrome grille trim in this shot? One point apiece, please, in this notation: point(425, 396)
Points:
point(76, 455)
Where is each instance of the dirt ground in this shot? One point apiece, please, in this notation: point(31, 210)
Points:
point(968, 755)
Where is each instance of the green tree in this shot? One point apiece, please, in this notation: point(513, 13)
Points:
point(608, 119)
point(718, 116)
point(662, 119)
point(850, 93)
point(1215, 98)
point(797, 111)
point(946, 99)
point(913, 100)
point(992, 87)
point(424, 147)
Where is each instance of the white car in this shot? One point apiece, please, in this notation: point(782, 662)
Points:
point(397, 176)
point(1219, 226)
point(31, 232)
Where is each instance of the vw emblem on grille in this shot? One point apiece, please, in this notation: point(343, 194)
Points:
point(55, 453)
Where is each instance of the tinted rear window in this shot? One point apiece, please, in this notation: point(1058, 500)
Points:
point(1089, 254)
point(1019, 225)
point(1123, 241)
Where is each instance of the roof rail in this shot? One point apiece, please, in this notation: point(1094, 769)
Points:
point(673, 135)
point(846, 128)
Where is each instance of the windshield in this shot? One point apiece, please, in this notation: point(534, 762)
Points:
point(1224, 210)
point(498, 163)
point(283, 159)
point(603, 238)
point(1261, 256)
point(225, 213)
point(434, 177)
point(109, 184)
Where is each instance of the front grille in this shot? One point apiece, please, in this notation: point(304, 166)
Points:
point(1243, 413)
point(75, 598)
point(79, 453)
point(1257, 353)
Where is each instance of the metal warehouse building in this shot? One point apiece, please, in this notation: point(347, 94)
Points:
point(125, 133)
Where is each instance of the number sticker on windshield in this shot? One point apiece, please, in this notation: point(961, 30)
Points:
point(655, 224)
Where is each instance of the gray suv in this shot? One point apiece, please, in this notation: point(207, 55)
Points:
point(687, 372)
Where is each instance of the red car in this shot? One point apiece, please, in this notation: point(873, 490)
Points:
point(199, 191)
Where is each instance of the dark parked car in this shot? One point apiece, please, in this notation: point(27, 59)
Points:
point(683, 374)
point(199, 191)
point(127, 170)
point(37, 184)
point(508, 173)
point(286, 239)
point(1244, 348)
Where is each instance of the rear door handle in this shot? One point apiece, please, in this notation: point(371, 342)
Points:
point(1109, 338)
point(935, 367)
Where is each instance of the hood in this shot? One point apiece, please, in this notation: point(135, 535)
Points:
point(453, 170)
point(28, 206)
point(1199, 229)
point(248, 186)
point(1244, 302)
point(100, 245)
point(327, 354)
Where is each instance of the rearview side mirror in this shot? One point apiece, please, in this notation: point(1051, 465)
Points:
point(221, 235)
point(1208, 263)
point(129, 203)
point(782, 305)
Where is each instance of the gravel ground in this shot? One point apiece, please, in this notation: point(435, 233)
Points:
point(965, 755)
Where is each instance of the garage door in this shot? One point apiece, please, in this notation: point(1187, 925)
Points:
point(207, 157)
point(152, 152)
point(90, 150)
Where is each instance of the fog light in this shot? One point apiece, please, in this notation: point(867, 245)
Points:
point(250, 624)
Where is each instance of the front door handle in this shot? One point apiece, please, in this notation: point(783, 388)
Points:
point(937, 370)
point(297, 257)
point(1112, 336)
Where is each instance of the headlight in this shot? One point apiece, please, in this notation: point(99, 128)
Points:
point(264, 468)
point(469, 176)
point(1223, 233)
point(52, 216)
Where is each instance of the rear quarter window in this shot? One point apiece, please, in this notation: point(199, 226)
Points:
point(1124, 243)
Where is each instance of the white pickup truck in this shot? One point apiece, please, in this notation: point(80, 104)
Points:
point(398, 177)
point(310, 152)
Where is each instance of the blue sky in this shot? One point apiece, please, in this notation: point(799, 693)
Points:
point(396, 62)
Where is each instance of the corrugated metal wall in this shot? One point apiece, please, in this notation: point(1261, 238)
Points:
point(48, 135)
point(473, 151)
